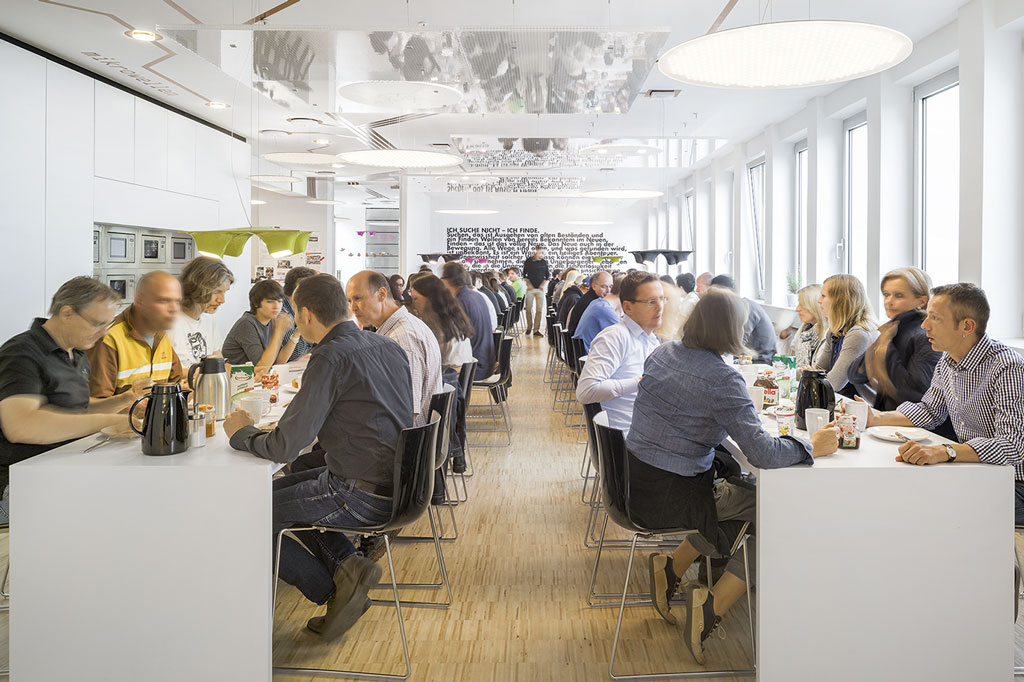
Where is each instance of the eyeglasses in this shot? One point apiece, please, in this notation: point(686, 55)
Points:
point(650, 302)
point(95, 325)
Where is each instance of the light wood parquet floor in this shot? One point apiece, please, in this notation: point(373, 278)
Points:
point(519, 575)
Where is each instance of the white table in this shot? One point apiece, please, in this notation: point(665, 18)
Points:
point(126, 567)
point(872, 569)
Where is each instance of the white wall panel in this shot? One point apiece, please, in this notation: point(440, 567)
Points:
point(69, 175)
point(150, 145)
point(115, 134)
point(181, 154)
point(128, 204)
point(22, 187)
point(212, 161)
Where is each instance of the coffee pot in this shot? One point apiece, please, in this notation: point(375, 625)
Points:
point(165, 425)
point(815, 392)
point(212, 385)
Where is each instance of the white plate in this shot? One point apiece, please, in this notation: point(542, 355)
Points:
point(289, 389)
point(888, 433)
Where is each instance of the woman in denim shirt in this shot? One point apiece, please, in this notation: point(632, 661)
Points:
point(689, 400)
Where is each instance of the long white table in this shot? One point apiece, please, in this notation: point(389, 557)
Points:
point(872, 569)
point(126, 567)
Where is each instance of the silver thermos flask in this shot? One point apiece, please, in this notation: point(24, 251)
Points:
point(211, 386)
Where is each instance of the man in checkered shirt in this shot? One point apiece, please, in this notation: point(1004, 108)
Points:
point(978, 383)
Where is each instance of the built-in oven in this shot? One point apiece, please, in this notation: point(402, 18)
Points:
point(154, 249)
point(119, 247)
point(95, 246)
point(123, 284)
point(181, 250)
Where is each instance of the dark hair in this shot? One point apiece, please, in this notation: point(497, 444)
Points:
point(723, 281)
point(686, 281)
point(201, 278)
point(444, 315)
point(397, 292)
point(474, 275)
point(667, 280)
point(376, 281)
point(291, 280)
point(265, 289)
point(617, 278)
point(79, 292)
point(633, 281)
point(492, 283)
point(556, 272)
point(512, 269)
point(968, 302)
point(716, 323)
point(456, 274)
point(323, 296)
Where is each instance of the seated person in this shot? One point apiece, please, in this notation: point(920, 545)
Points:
point(44, 378)
point(850, 330)
point(689, 400)
point(265, 335)
point(204, 283)
point(481, 317)
point(291, 282)
point(356, 397)
point(978, 383)
point(611, 374)
point(571, 294)
point(600, 314)
point(136, 351)
point(758, 331)
point(600, 287)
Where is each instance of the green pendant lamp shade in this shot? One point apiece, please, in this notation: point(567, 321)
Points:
point(280, 243)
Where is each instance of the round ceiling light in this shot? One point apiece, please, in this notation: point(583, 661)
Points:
point(257, 202)
point(274, 132)
point(218, 105)
point(621, 149)
point(399, 158)
point(305, 120)
point(466, 211)
point(622, 193)
point(588, 222)
point(274, 178)
point(144, 36)
point(325, 202)
point(786, 54)
point(302, 158)
point(402, 95)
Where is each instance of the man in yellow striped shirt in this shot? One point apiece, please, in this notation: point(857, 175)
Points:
point(136, 349)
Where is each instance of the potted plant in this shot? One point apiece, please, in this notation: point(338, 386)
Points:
point(792, 286)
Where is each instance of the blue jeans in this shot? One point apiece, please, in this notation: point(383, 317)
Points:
point(317, 497)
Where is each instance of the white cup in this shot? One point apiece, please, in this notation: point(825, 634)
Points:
point(816, 419)
point(749, 374)
point(756, 396)
point(860, 412)
point(255, 406)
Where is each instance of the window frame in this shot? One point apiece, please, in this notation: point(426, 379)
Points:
point(855, 122)
point(758, 221)
point(800, 209)
point(933, 86)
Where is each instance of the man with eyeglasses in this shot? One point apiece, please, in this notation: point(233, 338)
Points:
point(615, 363)
point(44, 378)
point(600, 287)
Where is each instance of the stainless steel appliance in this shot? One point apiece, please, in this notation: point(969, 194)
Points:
point(123, 283)
point(119, 247)
point(165, 426)
point(182, 250)
point(211, 385)
point(154, 249)
point(122, 254)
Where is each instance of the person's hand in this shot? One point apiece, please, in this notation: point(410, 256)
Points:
point(258, 372)
point(237, 420)
point(825, 440)
point(913, 452)
point(784, 334)
point(284, 322)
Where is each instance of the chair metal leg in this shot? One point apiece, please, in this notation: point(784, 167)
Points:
point(442, 567)
point(591, 595)
point(327, 672)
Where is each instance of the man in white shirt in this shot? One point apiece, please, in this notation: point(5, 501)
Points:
point(688, 284)
point(204, 281)
point(615, 363)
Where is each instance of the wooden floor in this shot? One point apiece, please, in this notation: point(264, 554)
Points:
point(519, 573)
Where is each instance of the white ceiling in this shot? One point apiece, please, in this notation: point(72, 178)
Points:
point(72, 29)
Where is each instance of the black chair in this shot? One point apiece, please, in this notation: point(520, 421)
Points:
point(614, 469)
point(497, 393)
point(466, 374)
point(413, 486)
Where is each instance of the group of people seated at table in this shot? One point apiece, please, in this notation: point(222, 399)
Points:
point(663, 377)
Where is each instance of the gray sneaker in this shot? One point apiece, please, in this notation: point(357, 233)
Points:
point(316, 623)
point(353, 579)
point(701, 620)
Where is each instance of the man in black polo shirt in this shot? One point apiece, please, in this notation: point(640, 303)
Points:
point(44, 378)
point(355, 399)
point(536, 272)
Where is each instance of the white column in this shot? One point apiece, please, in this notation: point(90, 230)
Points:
point(780, 225)
point(824, 194)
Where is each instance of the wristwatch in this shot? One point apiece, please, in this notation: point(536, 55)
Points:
point(951, 453)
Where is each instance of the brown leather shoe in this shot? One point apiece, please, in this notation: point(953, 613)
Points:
point(353, 579)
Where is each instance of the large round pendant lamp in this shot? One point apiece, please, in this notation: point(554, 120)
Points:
point(786, 54)
point(399, 158)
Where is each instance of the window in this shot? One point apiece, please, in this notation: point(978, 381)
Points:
point(755, 173)
point(856, 232)
point(937, 116)
point(800, 224)
point(689, 220)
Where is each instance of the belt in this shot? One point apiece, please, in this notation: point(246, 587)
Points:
point(373, 488)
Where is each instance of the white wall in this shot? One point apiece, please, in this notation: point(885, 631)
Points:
point(79, 152)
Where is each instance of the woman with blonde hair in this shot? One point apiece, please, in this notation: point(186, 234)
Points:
point(850, 329)
point(812, 325)
point(900, 363)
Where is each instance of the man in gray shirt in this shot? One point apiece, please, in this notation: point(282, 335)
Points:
point(356, 397)
point(758, 330)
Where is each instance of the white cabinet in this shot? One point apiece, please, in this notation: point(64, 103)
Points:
point(150, 145)
point(181, 154)
point(115, 134)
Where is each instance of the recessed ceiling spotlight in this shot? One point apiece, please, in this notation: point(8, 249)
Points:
point(619, 149)
point(325, 202)
point(257, 202)
point(305, 119)
point(786, 54)
point(588, 222)
point(274, 132)
point(144, 36)
point(337, 165)
point(466, 211)
point(623, 193)
point(325, 173)
point(321, 140)
point(302, 158)
point(275, 178)
point(400, 158)
point(218, 105)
